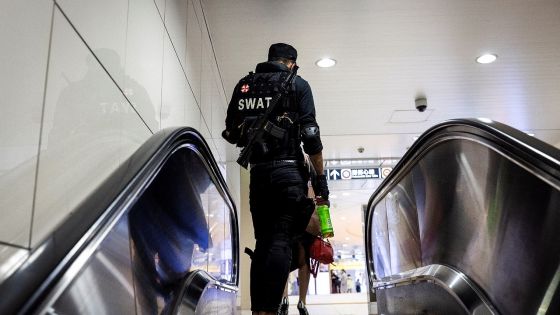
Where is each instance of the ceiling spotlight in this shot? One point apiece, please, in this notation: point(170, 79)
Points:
point(486, 58)
point(325, 62)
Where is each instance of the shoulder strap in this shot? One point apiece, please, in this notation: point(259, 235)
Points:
point(284, 90)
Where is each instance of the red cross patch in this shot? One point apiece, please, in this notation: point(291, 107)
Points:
point(245, 88)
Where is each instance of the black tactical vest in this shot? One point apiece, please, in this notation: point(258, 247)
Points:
point(254, 94)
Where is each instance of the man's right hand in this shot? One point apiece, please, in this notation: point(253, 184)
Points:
point(320, 187)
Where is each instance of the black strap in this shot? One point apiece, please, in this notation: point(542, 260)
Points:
point(249, 252)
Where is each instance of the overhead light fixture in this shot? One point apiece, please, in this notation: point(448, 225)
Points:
point(487, 58)
point(325, 62)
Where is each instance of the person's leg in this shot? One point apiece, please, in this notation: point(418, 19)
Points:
point(279, 216)
point(269, 272)
point(285, 304)
point(304, 275)
point(271, 259)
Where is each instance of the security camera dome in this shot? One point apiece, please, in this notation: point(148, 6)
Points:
point(421, 104)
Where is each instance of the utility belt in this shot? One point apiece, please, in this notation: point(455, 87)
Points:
point(274, 163)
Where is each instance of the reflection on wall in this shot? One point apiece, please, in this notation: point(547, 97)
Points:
point(92, 95)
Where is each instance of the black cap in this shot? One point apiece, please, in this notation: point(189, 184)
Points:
point(283, 51)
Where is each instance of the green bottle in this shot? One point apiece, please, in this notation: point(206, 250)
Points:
point(325, 219)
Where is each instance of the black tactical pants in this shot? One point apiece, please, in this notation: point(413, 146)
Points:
point(280, 210)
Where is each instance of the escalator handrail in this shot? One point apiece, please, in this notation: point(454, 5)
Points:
point(541, 157)
point(28, 285)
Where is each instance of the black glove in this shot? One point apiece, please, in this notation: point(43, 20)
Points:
point(229, 136)
point(320, 187)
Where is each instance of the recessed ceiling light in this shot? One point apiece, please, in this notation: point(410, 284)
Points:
point(486, 58)
point(325, 62)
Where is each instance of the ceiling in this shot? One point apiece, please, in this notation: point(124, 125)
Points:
point(390, 52)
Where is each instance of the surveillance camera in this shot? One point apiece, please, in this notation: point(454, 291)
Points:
point(360, 149)
point(421, 104)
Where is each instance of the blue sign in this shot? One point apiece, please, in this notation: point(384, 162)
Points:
point(353, 173)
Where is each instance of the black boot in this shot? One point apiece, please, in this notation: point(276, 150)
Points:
point(283, 309)
point(302, 309)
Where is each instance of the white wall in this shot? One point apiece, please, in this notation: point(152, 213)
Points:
point(84, 83)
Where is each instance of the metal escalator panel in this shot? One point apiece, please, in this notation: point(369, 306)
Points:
point(480, 208)
point(135, 244)
point(179, 224)
point(202, 294)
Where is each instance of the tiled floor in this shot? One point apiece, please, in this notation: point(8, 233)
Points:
point(335, 304)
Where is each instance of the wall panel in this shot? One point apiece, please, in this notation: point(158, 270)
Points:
point(144, 60)
point(84, 144)
point(25, 36)
point(176, 24)
point(102, 23)
point(194, 51)
point(179, 107)
point(206, 84)
point(87, 126)
point(160, 4)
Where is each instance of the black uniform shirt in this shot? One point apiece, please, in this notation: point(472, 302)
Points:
point(304, 99)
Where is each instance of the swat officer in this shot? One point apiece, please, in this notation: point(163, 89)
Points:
point(279, 205)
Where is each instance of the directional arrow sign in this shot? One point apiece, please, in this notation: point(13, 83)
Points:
point(334, 174)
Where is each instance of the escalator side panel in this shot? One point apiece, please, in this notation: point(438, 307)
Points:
point(163, 238)
point(482, 214)
point(418, 298)
point(105, 284)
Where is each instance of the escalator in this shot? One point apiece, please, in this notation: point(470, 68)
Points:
point(467, 223)
point(159, 236)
